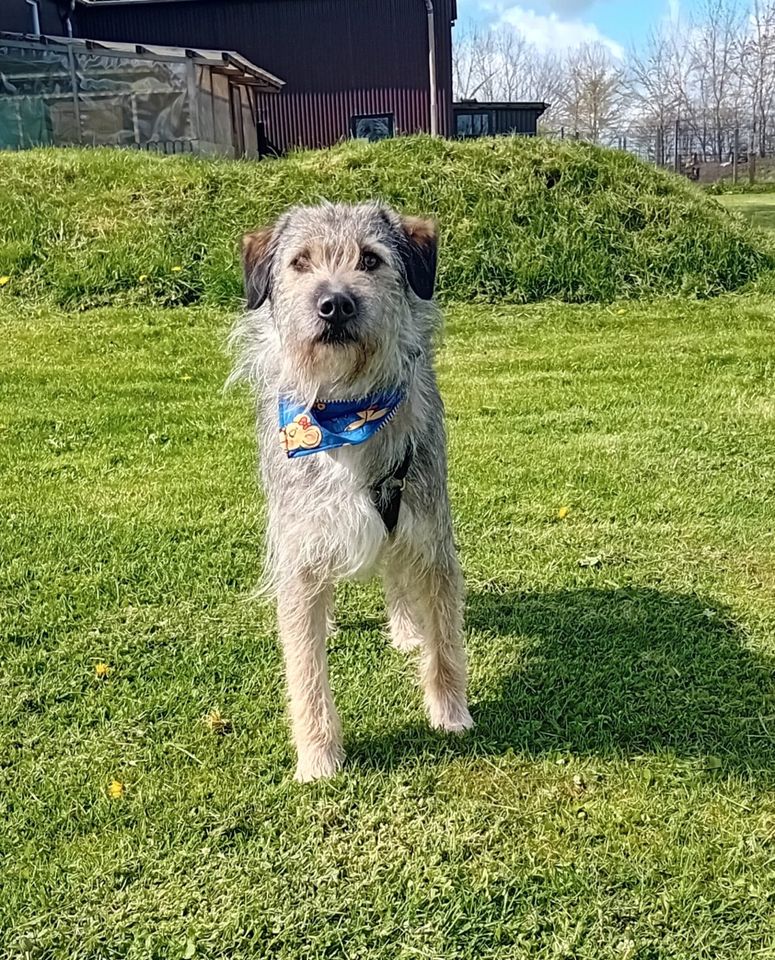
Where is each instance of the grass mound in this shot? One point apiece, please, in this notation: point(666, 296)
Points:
point(521, 220)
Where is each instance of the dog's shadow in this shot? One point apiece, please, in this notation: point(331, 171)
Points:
point(606, 673)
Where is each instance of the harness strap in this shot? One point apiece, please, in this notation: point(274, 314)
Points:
point(386, 493)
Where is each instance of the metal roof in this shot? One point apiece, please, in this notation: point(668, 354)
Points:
point(227, 61)
point(121, 3)
point(501, 105)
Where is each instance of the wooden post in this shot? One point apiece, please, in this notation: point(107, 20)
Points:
point(752, 158)
point(135, 119)
point(74, 86)
point(676, 146)
point(736, 156)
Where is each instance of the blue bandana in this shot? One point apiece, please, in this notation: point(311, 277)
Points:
point(334, 423)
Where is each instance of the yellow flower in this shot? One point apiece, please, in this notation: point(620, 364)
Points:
point(186, 376)
point(177, 269)
point(116, 789)
point(621, 312)
point(143, 277)
point(4, 280)
point(563, 512)
point(217, 723)
point(101, 670)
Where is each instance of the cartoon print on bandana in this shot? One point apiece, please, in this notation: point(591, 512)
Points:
point(329, 424)
point(368, 416)
point(300, 433)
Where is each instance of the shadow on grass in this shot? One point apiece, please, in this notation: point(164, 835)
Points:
point(600, 672)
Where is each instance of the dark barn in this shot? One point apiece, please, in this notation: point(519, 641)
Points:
point(17, 16)
point(351, 67)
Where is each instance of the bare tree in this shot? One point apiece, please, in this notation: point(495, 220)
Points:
point(595, 94)
point(714, 73)
point(474, 65)
point(757, 68)
point(716, 37)
point(499, 64)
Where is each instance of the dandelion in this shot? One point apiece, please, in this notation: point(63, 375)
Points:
point(143, 277)
point(217, 723)
point(621, 313)
point(4, 280)
point(563, 512)
point(177, 269)
point(101, 670)
point(116, 789)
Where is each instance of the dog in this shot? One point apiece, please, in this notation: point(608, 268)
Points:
point(338, 341)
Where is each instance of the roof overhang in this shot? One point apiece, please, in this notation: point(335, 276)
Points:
point(532, 106)
point(221, 61)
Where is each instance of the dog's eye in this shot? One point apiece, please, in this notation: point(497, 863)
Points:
point(369, 261)
point(301, 263)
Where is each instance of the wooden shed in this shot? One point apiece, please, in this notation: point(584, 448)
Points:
point(474, 119)
point(59, 90)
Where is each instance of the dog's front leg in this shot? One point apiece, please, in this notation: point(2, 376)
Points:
point(303, 611)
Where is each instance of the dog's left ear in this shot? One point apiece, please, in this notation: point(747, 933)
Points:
point(257, 255)
point(419, 255)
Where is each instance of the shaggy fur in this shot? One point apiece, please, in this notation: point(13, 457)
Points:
point(323, 525)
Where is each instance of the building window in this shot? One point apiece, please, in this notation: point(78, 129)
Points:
point(372, 126)
point(473, 124)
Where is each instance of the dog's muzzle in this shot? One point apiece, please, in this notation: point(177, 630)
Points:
point(338, 312)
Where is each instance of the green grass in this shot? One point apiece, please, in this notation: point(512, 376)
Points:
point(758, 208)
point(616, 798)
point(522, 220)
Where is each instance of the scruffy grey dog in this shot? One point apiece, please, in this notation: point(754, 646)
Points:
point(339, 309)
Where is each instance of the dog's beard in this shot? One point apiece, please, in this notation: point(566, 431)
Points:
point(317, 367)
point(337, 336)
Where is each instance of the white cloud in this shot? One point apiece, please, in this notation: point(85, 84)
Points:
point(551, 32)
point(569, 6)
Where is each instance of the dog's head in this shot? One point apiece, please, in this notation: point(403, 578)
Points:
point(346, 288)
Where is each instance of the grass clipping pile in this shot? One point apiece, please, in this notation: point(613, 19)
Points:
point(521, 220)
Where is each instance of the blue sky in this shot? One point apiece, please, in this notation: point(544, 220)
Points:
point(557, 24)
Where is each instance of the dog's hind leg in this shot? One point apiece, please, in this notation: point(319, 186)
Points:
point(443, 655)
point(303, 610)
point(426, 611)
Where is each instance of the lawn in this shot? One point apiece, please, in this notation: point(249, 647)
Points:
point(617, 798)
point(759, 208)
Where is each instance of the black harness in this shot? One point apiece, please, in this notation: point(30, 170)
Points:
point(386, 493)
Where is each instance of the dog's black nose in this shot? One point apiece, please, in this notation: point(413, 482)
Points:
point(336, 308)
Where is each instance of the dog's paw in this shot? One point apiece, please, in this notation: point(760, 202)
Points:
point(451, 717)
point(319, 764)
point(405, 642)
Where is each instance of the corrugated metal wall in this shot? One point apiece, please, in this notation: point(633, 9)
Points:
point(518, 120)
point(338, 57)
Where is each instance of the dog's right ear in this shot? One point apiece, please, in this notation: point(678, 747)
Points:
point(257, 254)
point(419, 254)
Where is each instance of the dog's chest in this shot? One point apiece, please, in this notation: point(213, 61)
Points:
point(343, 527)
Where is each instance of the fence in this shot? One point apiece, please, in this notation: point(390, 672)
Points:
point(735, 153)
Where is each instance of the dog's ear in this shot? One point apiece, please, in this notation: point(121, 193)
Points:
point(419, 254)
point(257, 254)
